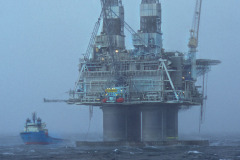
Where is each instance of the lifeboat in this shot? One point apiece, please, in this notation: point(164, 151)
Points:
point(104, 100)
point(120, 100)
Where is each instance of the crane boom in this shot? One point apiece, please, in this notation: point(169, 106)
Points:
point(92, 39)
point(194, 32)
point(193, 41)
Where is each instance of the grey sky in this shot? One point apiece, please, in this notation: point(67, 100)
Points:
point(42, 40)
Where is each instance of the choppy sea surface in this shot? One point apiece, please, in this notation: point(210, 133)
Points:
point(221, 148)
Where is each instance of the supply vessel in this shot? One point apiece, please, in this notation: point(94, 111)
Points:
point(35, 132)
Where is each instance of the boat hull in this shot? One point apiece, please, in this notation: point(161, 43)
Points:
point(38, 138)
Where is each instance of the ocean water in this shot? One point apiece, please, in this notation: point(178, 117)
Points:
point(221, 148)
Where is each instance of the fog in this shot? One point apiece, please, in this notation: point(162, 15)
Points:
point(42, 40)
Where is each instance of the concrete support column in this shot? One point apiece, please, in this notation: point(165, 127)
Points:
point(121, 123)
point(133, 124)
point(172, 122)
point(114, 123)
point(153, 123)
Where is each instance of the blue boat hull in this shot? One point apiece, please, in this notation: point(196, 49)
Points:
point(38, 138)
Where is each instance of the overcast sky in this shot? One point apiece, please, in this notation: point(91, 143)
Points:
point(42, 40)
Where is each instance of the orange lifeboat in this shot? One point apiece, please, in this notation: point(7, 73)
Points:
point(104, 100)
point(120, 100)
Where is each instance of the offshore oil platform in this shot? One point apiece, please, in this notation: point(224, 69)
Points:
point(140, 90)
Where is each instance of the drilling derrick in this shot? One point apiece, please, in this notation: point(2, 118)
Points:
point(112, 35)
point(150, 29)
point(141, 90)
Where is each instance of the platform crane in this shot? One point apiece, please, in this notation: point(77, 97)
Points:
point(193, 44)
point(193, 41)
